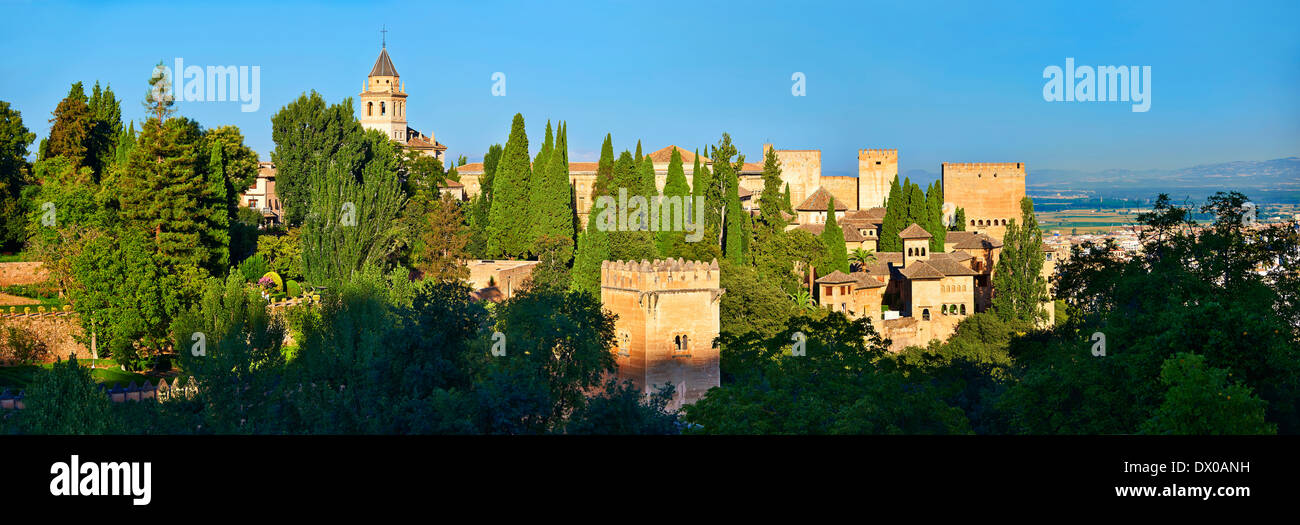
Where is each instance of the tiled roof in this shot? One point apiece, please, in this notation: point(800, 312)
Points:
point(972, 241)
point(665, 155)
point(944, 262)
point(915, 231)
point(883, 260)
point(921, 270)
point(819, 201)
point(866, 280)
point(961, 256)
point(383, 65)
point(836, 277)
point(850, 234)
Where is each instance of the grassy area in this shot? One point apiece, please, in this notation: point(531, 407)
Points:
point(1085, 221)
point(15, 257)
point(17, 378)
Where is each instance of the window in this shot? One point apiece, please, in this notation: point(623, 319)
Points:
point(370, 109)
point(963, 309)
point(925, 314)
point(383, 109)
point(681, 345)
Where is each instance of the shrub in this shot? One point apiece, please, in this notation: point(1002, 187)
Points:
point(275, 279)
point(253, 267)
point(292, 288)
point(25, 346)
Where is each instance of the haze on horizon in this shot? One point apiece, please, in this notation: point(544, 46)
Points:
point(941, 81)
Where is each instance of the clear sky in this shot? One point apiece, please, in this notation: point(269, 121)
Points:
point(939, 81)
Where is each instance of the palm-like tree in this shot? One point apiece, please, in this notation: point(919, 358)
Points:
point(862, 257)
point(803, 298)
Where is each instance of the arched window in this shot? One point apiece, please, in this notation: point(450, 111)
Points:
point(972, 222)
point(925, 314)
point(963, 309)
point(681, 345)
point(383, 109)
point(370, 109)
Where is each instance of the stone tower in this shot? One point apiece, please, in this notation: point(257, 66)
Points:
point(877, 169)
point(383, 100)
point(989, 192)
point(667, 321)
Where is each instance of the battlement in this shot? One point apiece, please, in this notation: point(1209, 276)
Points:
point(669, 274)
point(881, 153)
point(975, 166)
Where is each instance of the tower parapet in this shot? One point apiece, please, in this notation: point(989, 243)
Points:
point(667, 318)
point(989, 192)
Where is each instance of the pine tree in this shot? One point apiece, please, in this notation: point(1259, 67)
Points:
point(162, 187)
point(508, 227)
point(70, 130)
point(832, 237)
point(895, 214)
point(934, 222)
point(1018, 283)
point(552, 209)
point(160, 97)
point(15, 173)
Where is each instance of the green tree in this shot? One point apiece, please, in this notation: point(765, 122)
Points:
point(481, 204)
point(895, 215)
point(1017, 279)
point(106, 126)
point(508, 229)
point(627, 244)
point(15, 174)
point(670, 242)
point(552, 200)
point(959, 220)
point(934, 217)
point(309, 135)
point(832, 237)
point(1202, 400)
point(217, 207)
point(353, 223)
point(70, 129)
point(67, 401)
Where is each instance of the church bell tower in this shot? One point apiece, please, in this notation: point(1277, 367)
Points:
point(383, 100)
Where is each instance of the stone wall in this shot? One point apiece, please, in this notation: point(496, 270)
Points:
point(877, 169)
point(801, 169)
point(57, 330)
point(844, 189)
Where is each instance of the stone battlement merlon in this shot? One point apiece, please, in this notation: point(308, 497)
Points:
point(665, 274)
point(877, 153)
point(984, 165)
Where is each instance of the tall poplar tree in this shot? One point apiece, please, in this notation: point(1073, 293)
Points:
point(1019, 286)
point(308, 135)
point(508, 227)
point(217, 208)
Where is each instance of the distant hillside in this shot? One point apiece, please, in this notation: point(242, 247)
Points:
point(1275, 180)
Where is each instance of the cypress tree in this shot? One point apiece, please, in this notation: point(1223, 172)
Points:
point(832, 237)
point(70, 130)
point(638, 156)
point(934, 223)
point(508, 228)
point(593, 249)
point(217, 207)
point(894, 215)
point(771, 202)
point(626, 243)
point(669, 240)
point(789, 207)
point(539, 177)
point(480, 207)
point(959, 220)
point(106, 127)
point(552, 208)
point(916, 210)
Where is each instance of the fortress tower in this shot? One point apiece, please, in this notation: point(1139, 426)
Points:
point(877, 169)
point(667, 321)
point(800, 168)
point(990, 193)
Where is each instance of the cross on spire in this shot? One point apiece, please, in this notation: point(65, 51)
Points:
point(383, 31)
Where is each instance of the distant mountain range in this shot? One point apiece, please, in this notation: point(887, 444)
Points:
point(1276, 180)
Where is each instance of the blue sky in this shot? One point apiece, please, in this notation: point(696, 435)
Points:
point(939, 81)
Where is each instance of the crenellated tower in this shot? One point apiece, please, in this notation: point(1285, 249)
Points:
point(668, 317)
point(877, 169)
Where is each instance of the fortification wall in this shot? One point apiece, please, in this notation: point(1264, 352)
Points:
point(801, 169)
point(990, 193)
point(844, 189)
